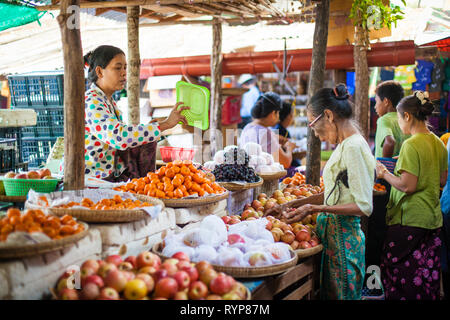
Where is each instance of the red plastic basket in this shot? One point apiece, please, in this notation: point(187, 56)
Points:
point(169, 154)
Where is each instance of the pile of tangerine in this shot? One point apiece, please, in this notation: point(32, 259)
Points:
point(379, 187)
point(176, 180)
point(36, 221)
point(116, 203)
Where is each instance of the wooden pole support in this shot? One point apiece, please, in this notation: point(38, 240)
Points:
point(74, 87)
point(316, 78)
point(216, 86)
point(134, 65)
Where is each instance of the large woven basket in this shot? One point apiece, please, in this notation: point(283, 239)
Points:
point(273, 176)
point(100, 216)
point(194, 202)
point(26, 250)
point(245, 272)
point(304, 253)
point(231, 186)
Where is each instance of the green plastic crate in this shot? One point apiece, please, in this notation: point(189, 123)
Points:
point(20, 187)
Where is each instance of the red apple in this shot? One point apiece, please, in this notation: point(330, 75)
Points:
point(64, 283)
point(269, 225)
point(226, 219)
point(239, 289)
point(213, 297)
point(68, 294)
point(129, 275)
point(105, 269)
point(160, 274)
point(21, 176)
point(149, 259)
point(132, 260)
point(304, 245)
point(149, 270)
point(231, 296)
point(116, 279)
point(235, 238)
point(208, 275)
point(149, 282)
point(90, 291)
point(33, 175)
point(183, 264)
point(172, 261)
point(197, 290)
point(166, 288)
point(183, 280)
point(93, 264)
point(96, 279)
point(288, 237)
point(303, 235)
point(220, 285)
point(170, 267)
point(181, 256)
point(125, 266)
point(313, 243)
point(202, 265)
point(108, 294)
point(84, 273)
point(192, 272)
point(114, 259)
point(44, 172)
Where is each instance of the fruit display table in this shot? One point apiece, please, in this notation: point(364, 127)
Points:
point(134, 237)
point(299, 282)
point(271, 183)
point(30, 278)
point(237, 200)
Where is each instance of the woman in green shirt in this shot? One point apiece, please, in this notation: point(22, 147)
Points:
point(411, 255)
point(348, 179)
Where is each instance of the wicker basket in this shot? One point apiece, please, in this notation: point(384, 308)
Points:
point(245, 272)
point(194, 202)
point(273, 176)
point(304, 253)
point(231, 186)
point(13, 198)
point(20, 187)
point(21, 251)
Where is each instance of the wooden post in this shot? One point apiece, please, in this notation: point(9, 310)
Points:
point(134, 65)
point(339, 76)
point(362, 108)
point(316, 77)
point(216, 86)
point(74, 87)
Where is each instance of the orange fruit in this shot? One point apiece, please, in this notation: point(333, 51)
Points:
point(176, 182)
point(13, 212)
point(176, 169)
point(170, 173)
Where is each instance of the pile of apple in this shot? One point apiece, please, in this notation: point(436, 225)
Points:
point(258, 207)
point(299, 235)
point(146, 277)
point(40, 174)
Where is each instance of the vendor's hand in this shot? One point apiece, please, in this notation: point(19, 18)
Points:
point(300, 213)
point(381, 170)
point(174, 117)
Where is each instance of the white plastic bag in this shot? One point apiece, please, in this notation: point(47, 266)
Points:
point(230, 257)
point(257, 258)
point(217, 227)
point(279, 252)
point(171, 249)
point(205, 252)
point(252, 149)
point(219, 157)
point(268, 157)
point(210, 165)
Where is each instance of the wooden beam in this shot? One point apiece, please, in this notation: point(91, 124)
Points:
point(74, 88)
point(216, 86)
point(245, 21)
point(316, 78)
point(173, 9)
point(100, 11)
point(134, 65)
point(125, 3)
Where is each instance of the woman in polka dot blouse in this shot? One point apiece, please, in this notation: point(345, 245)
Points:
point(105, 131)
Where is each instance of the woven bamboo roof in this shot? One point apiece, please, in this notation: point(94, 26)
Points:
point(175, 11)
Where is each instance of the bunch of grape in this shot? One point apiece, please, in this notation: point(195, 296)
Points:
point(235, 172)
point(236, 156)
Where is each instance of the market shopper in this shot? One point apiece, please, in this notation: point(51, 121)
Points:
point(265, 114)
point(411, 261)
point(389, 137)
point(105, 133)
point(348, 179)
point(445, 252)
point(286, 119)
point(247, 81)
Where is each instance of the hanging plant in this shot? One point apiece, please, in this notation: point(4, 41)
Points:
point(373, 15)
